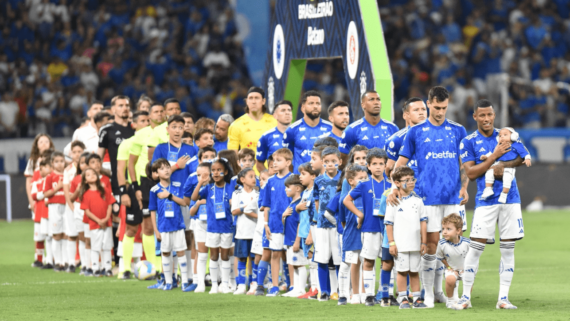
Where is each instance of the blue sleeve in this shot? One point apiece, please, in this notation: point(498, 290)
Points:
point(152, 200)
point(520, 149)
point(392, 149)
point(394, 129)
point(466, 151)
point(316, 190)
point(189, 187)
point(332, 206)
point(289, 139)
point(157, 154)
point(409, 145)
point(347, 141)
point(260, 199)
point(357, 191)
point(204, 191)
point(266, 202)
point(382, 208)
point(462, 133)
point(262, 149)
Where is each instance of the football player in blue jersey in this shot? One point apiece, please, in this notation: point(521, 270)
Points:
point(370, 131)
point(272, 139)
point(339, 116)
point(221, 132)
point(488, 211)
point(302, 134)
point(442, 182)
point(415, 112)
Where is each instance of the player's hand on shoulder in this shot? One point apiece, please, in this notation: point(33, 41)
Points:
point(393, 198)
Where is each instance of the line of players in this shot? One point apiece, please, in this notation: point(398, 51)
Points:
point(191, 201)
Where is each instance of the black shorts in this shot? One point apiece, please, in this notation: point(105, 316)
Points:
point(117, 205)
point(134, 212)
point(146, 185)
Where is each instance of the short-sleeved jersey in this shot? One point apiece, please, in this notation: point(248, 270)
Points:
point(51, 182)
point(268, 143)
point(393, 146)
point(141, 141)
point(472, 148)
point(40, 210)
point(351, 235)
point(123, 155)
point(385, 242)
point(217, 195)
point(436, 150)
point(89, 136)
point(324, 189)
point(362, 133)
point(160, 134)
point(368, 190)
point(175, 221)
point(333, 207)
point(220, 146)
point(300, 138)
point(291, 224)
point(331, 134)
point(306, 216)
point(98, 206)
point(245, 225)
point(517, 150)
point(245, 132)
point(453, 253)
point(190, 184)
point(277, 201)
point(253, 207)
point(172, 154)
point(69, 174)
point(406, 218)
point(110, 137)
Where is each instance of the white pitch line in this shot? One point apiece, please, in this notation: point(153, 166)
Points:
point(64, 282)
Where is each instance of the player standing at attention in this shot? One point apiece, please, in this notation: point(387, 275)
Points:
point(40, 211)
point(171, 108)
point(272, 139)
point(370, 131)
point(434, 144)
point(489, 211)
point(88, 134)
point(339, 116)
point(246, 130)
point(302, 134)
point(221, 132)
point(53, 192)
point(165, 201)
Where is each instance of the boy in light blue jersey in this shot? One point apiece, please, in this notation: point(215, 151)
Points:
point(164, 204)
point(326, 235)
point(275, 202)
point(370, 221)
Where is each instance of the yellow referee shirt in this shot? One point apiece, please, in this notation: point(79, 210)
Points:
point(245, 132)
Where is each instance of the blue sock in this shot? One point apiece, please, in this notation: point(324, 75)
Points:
point(324, 280)
point(240, 278)
point(287, 276)
point(262, 272)
point(385, 281)
point(253, 275)
point(269, 277)
point(408, 286)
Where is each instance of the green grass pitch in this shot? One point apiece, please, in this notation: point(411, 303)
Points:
point(540, 288)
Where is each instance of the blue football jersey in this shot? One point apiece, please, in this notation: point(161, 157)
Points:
point(351, 236)
point(172, 154)
point(291, 224)
point(300, 138)
point(168, 214)
point(268, 143)
point(306, 216)
point(436, 150)
point(368, 190)
point(331, 134)
point(218, 199)
point(220, 146)
point(276, 199)
point(472, 148)
point(190, 185)
point(393, 146)
point(323, 191)
point(334, 208)
point(362, 133)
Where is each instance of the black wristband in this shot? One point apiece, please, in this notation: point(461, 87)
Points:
point(169, 197)
point(123, 190)
point(136, 186)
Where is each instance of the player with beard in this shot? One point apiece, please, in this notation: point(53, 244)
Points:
point(302, 134)
point(339, 116)
point(110, 137)
point(221, 132)
point(370, 131)
point(272, 139)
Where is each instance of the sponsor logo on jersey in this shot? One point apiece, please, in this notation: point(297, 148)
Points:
point(314, 137)
point(276, 135)
point(438, 140)
point(323, 128)
point(391, 153)
point(384, 127)
point(176, 184)
point(464, 154)
point(375, 137)
point(425, 129)
point(479, 142)
point(446, 154)
point(427, 140)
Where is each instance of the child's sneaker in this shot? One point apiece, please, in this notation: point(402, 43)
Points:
point(488, 191)
point(273, 292)
point(379, 296)
point(385, 303)
point(252, 288)
point(440, 298)
point(450, 303)
point(96, 274)
point(214, 289)
point(240, 290)
point(503, 198)
point(324, 297)
point(88, 272)
point(159, 284)
point(419, 304)
point(355, 299)
point(334, 296)
point(82, 272)
point(505, 304)
point(260, 291)
point(342, 301)
point(405, 304)
point(192, 287)
point(186, 287)
point(370, 301)
point(394, 302)
point(167, 287)
point(37, 264)
point(108, 274)
point(462, 304)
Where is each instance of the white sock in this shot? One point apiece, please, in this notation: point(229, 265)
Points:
point(369, 282)
point(122, 265)
point(71, 252)
point(456, 291)
point(56, 245)
point(302, 276)
point(107, 260)
point(314, 275)
point(49, 250)
point(95, 260)
point(226, 271)
point(232, 276)
point(334, 281)
point(437, 281)
point(296, 285)
point(191, 268)
point(167, 268)
point(471, 265)
point(214, 271)
point(344, 280)
point(201, 268)
point(392, 281)
point(183, 264)
point(428, 265)
point(82, 253)
point(507, 268)
point(64, 252)
point(174, 263)
point(88, 258)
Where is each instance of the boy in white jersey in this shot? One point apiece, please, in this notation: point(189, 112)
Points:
point(451, 251)
point(406, 228)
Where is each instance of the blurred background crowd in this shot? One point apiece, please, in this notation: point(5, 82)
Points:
point(57, 56)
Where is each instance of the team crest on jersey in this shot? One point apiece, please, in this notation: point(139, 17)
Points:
point(391, 145)
point(461, 146)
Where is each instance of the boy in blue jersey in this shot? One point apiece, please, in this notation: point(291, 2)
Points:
point(442, 183)
point(370, 221)
point(272, 139)
point(164, 205)
point(302, 134)
point(316, 159)
point(326, 235)
point(295, 255)
point(275, 202)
